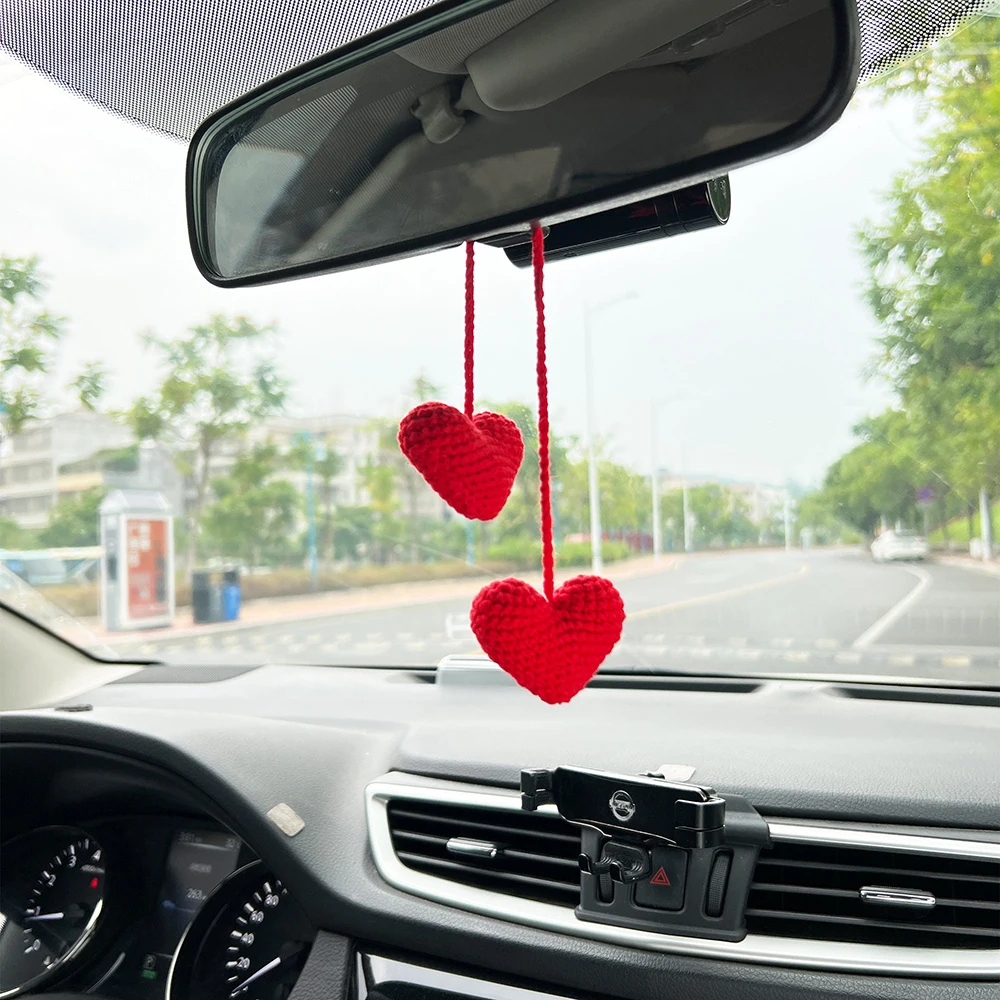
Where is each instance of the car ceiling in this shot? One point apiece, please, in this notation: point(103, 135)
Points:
point(167, 66)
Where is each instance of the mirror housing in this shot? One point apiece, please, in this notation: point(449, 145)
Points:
point(476, 119)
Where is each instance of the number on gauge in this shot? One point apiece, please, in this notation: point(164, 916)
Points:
point(261, 962)
point(50, 915)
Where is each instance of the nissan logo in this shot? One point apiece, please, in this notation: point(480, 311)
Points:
point(622, 805)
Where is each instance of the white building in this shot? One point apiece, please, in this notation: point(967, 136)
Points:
point(31, 483)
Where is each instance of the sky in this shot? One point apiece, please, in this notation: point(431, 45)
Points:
point(755, 336)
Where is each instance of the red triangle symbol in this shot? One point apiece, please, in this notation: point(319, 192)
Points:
point(660, 878)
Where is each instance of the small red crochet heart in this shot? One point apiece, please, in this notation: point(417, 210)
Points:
point(470, 463)
point(551, 648)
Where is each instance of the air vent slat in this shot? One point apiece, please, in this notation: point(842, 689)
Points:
point(483, 825)
point(813, 891)
point(885, 870)
point(441, 865)
point(537, 856)
point(866, 922)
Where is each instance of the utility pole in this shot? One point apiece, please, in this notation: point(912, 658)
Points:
point(788, 522)
point(593, 485)
point(655, 484)
point(688, 526)
point(311, 511)
point(985, 532)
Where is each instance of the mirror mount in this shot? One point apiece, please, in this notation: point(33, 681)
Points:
point(446, 127)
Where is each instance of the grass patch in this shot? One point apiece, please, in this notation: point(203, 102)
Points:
point(958, 528)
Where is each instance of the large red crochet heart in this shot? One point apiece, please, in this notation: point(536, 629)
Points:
point(552, 649)
point(470, 463)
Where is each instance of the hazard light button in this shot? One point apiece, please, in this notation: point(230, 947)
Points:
point(663, 887)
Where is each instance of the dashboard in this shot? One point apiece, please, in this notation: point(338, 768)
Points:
point(292, 832)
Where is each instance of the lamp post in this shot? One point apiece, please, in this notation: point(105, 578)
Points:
point(593, 484)
point(312, 453)
point(654, 409)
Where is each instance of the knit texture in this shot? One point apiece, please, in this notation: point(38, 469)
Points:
point(470, 463)
point(554, 647)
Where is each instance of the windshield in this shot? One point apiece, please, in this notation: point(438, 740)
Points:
point(198, 475)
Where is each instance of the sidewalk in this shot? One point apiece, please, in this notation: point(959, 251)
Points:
point(967, 562)
point(304, 607)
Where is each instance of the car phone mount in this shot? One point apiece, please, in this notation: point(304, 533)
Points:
point(656, 855)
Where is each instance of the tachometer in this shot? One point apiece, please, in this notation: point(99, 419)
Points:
point(249, 942)
point(51, 898)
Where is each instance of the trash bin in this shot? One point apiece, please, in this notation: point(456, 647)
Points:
point(208, 599)
point(201, 597)
point(232, 595)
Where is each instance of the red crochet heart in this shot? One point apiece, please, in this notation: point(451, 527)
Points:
point(552, 649)
point(470, 463)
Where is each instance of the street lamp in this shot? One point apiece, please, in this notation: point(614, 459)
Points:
point(654, 408)
point(593, 487)
point(312, 453)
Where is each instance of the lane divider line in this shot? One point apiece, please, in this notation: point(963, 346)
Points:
point(721, 595)
point(883, 624)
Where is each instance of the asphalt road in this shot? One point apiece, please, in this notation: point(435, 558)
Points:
point(821, 612)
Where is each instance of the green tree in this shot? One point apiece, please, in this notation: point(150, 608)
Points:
point(326, 463)
point(217, 382)
point(28, 333)
point(934, 265)
point(74, 522)
point(90, 384)
point(253, 514)
point(13, 536)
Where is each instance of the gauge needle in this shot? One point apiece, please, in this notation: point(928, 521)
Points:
point(45, 916)
point(273, 964)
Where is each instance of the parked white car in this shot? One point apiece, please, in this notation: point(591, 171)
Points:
point(902, 544)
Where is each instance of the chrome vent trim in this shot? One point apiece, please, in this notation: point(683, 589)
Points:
point(758, 949)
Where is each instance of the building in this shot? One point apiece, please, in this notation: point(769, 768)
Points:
point(33, 463)
point(351, 437)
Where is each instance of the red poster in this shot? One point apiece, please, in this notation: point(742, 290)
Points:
point(146, 546)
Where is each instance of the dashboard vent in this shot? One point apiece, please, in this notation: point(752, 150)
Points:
point(814, 891)
point(529, 855)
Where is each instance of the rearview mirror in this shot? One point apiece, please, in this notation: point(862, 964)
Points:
point(476, 119)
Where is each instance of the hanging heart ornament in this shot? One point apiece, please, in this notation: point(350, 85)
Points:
point(470, 462)
point(554, 647)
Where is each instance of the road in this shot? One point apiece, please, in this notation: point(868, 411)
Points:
point(822, 612)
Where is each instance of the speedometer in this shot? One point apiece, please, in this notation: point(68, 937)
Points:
point(249, 942)
point(50, 902)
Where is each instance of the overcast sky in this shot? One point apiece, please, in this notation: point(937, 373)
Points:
point(758, 326)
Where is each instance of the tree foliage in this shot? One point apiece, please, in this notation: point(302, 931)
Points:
point(74, 521)
point(253, 514)
point(28, 333)
point(933, 284)
point(217, 381)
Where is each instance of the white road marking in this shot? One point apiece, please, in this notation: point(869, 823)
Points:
point(897, 611)
point(847, 657)
point(827, 644)
point(956, 661)
point(798, 656)
point(902, 661)
point(737, 640)
point(781, 643)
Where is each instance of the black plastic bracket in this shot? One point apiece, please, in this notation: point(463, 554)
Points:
point(635, 828)
point(681, 814)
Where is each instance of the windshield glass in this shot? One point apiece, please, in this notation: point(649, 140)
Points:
point(197, 475)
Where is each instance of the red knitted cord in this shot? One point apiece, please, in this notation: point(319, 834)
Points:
point(470, 324)
point(544, 487)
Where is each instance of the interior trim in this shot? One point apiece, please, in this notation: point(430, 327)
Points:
point(375, 971)
point(756, 948)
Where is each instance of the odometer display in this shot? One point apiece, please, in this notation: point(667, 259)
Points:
point(248, 943)
point(51, 900)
